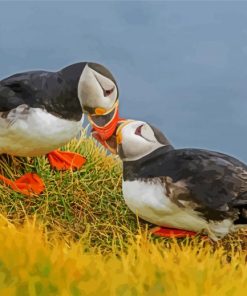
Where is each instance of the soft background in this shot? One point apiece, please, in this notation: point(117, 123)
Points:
point(180, 65)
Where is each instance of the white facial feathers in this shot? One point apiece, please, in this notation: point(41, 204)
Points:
point(138, 140)
point(147, 133)
point(96, 90)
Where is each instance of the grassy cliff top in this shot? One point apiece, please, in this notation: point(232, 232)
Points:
point(79, 238)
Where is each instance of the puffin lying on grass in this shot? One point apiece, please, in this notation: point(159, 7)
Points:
point(40, 111)
point(190, 190)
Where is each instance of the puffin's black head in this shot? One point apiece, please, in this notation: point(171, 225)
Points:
point(97, 90)
point(137, 139)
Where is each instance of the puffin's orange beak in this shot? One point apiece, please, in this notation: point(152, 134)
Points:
point(107, 130)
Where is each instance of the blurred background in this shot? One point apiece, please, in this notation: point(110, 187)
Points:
point(182, 66)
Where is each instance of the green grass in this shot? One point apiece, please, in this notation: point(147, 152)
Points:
point(88, 201)
point(79, 238)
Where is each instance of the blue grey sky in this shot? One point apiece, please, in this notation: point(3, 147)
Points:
point(180, 65)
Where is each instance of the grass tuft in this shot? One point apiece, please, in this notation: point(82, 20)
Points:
point(88, 201)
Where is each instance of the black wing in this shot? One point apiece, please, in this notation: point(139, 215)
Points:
point(41, 89)
point(22, 88)
point(214, 182)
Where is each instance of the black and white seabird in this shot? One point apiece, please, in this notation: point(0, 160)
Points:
point(191, 189)
point(41, 110)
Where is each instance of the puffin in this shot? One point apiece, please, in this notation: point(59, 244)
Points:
point(42, 110)
point(182, 191)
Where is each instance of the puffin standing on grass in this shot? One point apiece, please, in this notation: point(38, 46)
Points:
point(40, 111)
point(190, 190)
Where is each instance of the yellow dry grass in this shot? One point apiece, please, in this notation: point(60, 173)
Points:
point(32, 264)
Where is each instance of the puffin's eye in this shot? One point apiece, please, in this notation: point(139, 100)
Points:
point(138, 131)
point(107, 92)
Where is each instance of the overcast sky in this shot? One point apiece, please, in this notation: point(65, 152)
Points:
point(180, 65)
